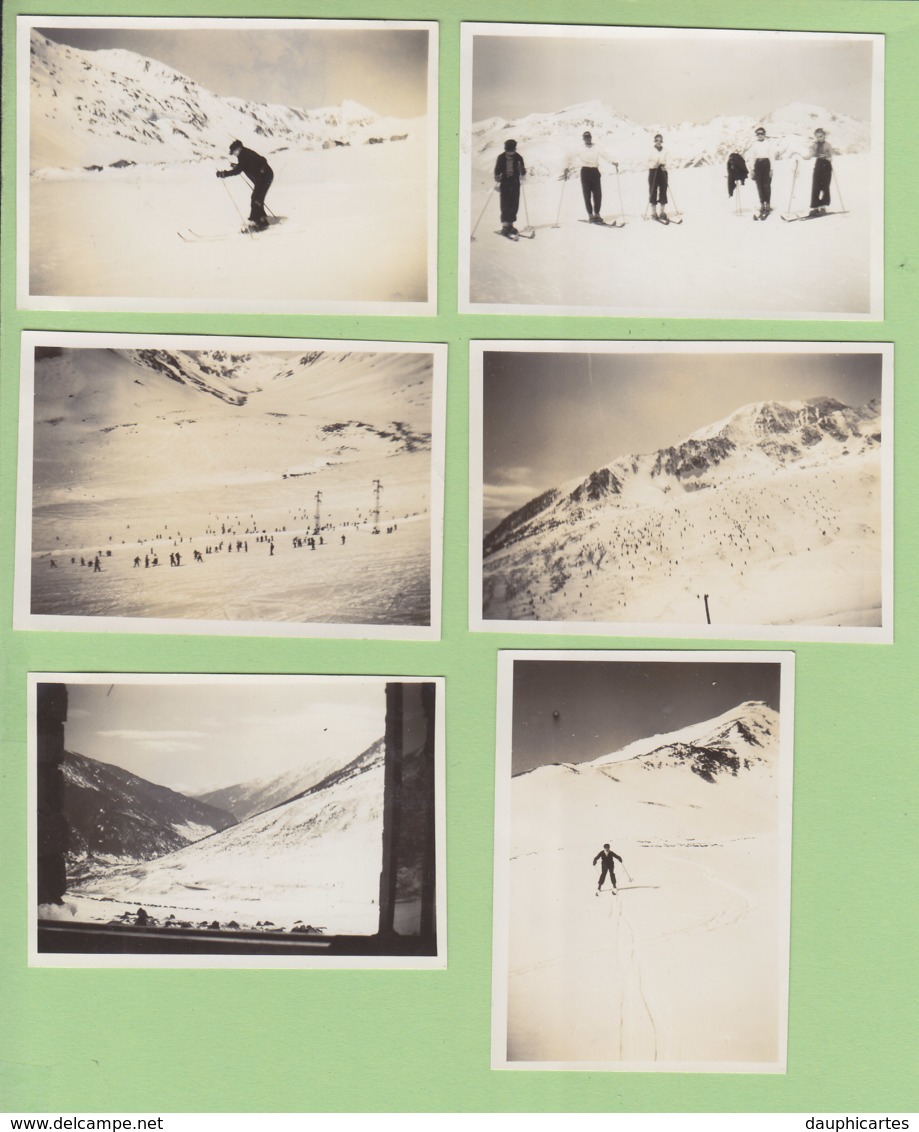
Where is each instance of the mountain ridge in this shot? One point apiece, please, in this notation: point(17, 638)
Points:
point(116, 108)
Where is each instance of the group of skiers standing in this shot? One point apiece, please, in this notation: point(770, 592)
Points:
point(763, 154)
point(510, 169)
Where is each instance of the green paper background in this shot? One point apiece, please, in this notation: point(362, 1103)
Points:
point(365, 1041)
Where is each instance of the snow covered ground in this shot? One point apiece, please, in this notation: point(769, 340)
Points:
point(316, 859)
point(355, 231)
point(784, 547)
point(773, 517)
point(684, 967)
point(133, 465)
point(716, 263)
point(118, 154)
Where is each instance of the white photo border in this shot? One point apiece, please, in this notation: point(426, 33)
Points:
point(882, 634)
point(468, 33)
point(507, 659)
point(23, 618)
point(27, 301)
point(318, 962)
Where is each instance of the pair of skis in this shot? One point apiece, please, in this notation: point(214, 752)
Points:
point(791, 217)
point(515, 236)
point(192, 237)
point(602, 223)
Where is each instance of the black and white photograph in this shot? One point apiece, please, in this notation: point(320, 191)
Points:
point(227, 164)
point(232, 820)
point(760, 152)
point(702, 489)
point(266, 486)
point(643, 861)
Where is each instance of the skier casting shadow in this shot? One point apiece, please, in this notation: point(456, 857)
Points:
point(606, 857)
point(259, 173)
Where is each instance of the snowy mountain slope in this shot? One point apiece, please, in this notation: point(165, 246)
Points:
point(112, 814)
point(682, 967)
point(142, 454)
point(736, 510)
point(95, 415)
point(245, 799)
point(315, 857)
point(101, 108)
point(548, 141)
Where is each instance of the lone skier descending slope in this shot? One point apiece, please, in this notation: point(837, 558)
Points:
point(259, 173)
point(606, 856)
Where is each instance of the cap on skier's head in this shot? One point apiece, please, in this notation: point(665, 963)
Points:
point(510, 145)
point(760, 130)
point(819, 133)
point(606, 845)
point(659, 137)
point(587, 134)
point(235, 145)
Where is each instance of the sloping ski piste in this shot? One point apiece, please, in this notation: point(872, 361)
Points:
point(678, 965)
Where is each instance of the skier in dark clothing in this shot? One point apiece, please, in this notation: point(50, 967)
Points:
point(259, 172)
point(606, 856)
point(509, 168)
point(658, 178)
point(822, 153)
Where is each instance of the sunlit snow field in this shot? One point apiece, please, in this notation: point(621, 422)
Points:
point(717, 262)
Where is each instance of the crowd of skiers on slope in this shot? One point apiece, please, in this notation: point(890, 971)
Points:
point(149, 558)
point(510, 170)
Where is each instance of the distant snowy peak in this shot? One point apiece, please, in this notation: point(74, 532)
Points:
point(742, 738)
point(754, 440)
point(807, 423)
point(549, 140)
point(94, 109)
point(245, 799)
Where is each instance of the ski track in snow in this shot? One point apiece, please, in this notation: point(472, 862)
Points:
point(680, 965)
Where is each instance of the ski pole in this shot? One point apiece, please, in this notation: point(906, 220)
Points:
point(561, 195)
point(481, 214)
point(627, 873)
point(526, 214)
point(619, 191)
point(676, 207)
point(236, 206)
point(792, 193)
point(838, 193)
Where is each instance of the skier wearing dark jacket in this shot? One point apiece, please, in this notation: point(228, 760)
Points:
point(259, 172)
point(606, 857)
point(509, 168)
point(737, 172)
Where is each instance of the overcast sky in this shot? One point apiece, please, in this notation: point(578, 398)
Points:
point(665, 79)
point(603, 705)
point(548, 417)
point(383, 69)
point(197, 737)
